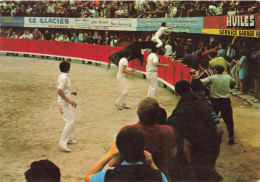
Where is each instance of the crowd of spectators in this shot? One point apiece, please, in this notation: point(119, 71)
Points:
point(188, 49)
point(126, 9)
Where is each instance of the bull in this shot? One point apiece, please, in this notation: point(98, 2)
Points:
point(135, 52)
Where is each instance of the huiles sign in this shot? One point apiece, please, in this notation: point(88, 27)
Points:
point(242, 21)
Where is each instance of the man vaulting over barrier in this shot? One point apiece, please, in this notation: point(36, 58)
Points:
point(159, 33)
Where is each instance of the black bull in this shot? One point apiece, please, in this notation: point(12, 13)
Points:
point(135, 52)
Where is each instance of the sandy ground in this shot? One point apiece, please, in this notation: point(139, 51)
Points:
point(30, 123)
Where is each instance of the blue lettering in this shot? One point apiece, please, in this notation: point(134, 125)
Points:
point(61, 21)
point(41, 20)
point(54, 20)
point(66, 21)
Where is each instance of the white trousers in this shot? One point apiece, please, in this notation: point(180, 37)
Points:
point(157, 40)
point(153, 83)
point(123, 97)
point(69, 119)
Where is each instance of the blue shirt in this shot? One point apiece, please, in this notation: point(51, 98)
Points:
point(100, 176)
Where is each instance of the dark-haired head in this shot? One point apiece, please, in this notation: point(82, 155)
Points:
point(42, 171)
point(154, 49)
point(162, 118)
point(163, 24)
point(64, 66)
point(127, 53)
point(212, 54)
point(219, 69)
point(204, 63)
point(148, 110)
point(182, 87)
point(130, 143)
point(196, 85)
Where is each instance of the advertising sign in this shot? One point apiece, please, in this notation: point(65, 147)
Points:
point(127, 24)
point(11, 21)
point(233, 32)
point(247, 22)
point(185, 24)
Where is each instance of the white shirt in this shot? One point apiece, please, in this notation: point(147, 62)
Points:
point(81, 37)
point(64, 85)
point(152, 58)
point(219, 85)
point(24, 36)
point(160, 31)
point(66, 39)
point(122, 62)
point(168, 49)
point(58, 39)
point(113, 43)
point(30, 36)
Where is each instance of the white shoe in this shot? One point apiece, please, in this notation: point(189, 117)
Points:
point(72, 142)
point(119, 107)
point(64, 148)
point(125, 106)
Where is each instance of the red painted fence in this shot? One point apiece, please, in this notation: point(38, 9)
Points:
point(175, 72)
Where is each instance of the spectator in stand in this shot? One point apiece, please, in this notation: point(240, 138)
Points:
point(189, 59)
point(81, 36)
point(74, 37)
point(14, 35)
point(132, 11)
point(43, 170)
point(242, 65)
point(192, 120)
point(51, 9)
point(159, 139)
point(172, 10)
point(7, 11)
point(129, 144)
point(57, 37)
point(47, 35)
point(112, 41)
point(29, 10)
point(165, 9)
point(179, 49)
point(214, 60)
point(88, 39)
point(203, 72)
point(219, 95)
point(26, 35)
point(13, 11)
point(222, 52)
point(99, 40)
point(66, 38)
point(167, 48)
point(120, 12)
point(37, 34)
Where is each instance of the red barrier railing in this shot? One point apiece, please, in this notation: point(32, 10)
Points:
point(175, 72)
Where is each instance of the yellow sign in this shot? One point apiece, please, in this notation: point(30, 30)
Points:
point(233, 32)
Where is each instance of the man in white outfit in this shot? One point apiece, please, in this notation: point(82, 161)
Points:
point(122, 71)
point(65, 106)
point(151, 72)
point(159, 33)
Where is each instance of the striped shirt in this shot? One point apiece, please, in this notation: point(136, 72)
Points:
point(204, 74)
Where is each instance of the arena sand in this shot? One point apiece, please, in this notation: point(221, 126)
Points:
point(31, 124)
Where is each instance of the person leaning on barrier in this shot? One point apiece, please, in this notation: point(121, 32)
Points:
point(43, 171)
point(159, 139)
point(130, 145)
point(192, 120)
point(219, 85)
